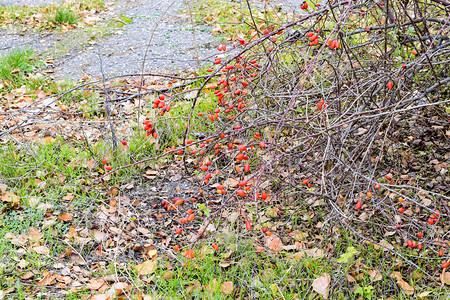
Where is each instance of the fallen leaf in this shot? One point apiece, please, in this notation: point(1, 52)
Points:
point(66, 217)
point(147, 267)
point(68, 197)
point(445, 277)
point(230, 182)
point(409, 290)
point(34, 233)
point(10, 197)
point(361, 131)
point(41, 250)
point(95, 283)
point(375, 275)
point(197, 286)
point(26, 276)
point(100, 297)
point(33, 201)
point(321, 285)
point(227, 287)
point(274, 243)
point(48, 279)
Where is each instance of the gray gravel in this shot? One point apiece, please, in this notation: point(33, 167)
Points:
point(171, 49)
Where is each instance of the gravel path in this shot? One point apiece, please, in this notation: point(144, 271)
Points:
point(171, 49)
point(121, 52)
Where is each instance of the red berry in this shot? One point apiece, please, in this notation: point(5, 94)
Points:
point(441, 252)
point(401, 210)
point(179, 230)
point(445, 265)
point(264, 196)
point(103, 161)
point(358, 205)
point(215, 247)
point(409, 243)
point(248, 225)
point(124, 143)
point(241, 193)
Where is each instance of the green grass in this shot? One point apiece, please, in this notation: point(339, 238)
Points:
point(47, 17)
point(64, 16)
point(15, 65)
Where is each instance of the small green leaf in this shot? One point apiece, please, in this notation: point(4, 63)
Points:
point(347, 256)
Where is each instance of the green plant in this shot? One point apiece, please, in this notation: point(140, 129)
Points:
point(65, 16)
point(366, 292)
point(16, 64)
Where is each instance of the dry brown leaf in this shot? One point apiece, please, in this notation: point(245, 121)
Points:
point(350, 278)
point(10, 197)
point(230, 182)
point(197, 286)
point(121, 287)
point(227, 287)
point(47, 279)
point(41, 250)
point(35, 233)
point(445, 277)
point(409, 290)
point(274, 243)
point(147, 267)
point(100, 297)
point(27, 275)
point(68, 197)
point(66, 217)
point(95, 283)
point(321, 285)
point(375, 275)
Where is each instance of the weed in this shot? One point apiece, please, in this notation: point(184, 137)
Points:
point(64, 16)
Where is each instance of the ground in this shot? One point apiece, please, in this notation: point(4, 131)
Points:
point(97, 204)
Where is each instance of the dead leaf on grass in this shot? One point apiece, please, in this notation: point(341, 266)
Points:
point(409, 290)
point(10, 197)
point(66, 217)
point(41, 250)
point(146, 268)
point(47, 279)
point(227, 287)
point(95, 283)
point(274, 243)
point(100, 297)
point(445, 277)
point(321, 285)
point(375, 275)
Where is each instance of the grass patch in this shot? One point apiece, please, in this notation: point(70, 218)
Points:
point(64, 16)
point(48, 17)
